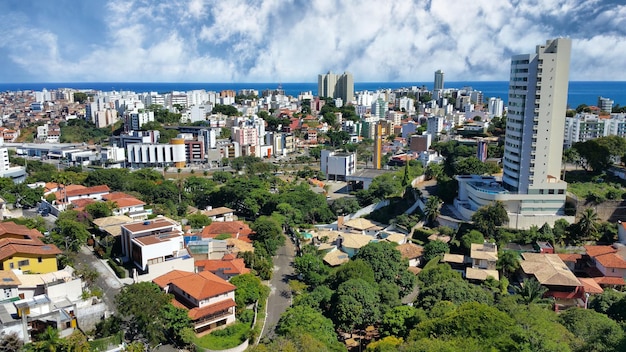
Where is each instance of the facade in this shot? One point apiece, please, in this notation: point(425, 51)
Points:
point(209, 299)
point(136, 119)
point(337, 166)
point(496, 107)
point(605, 104)
point(21, 248)
point(331, 85)
point(438, 84)
point(531, 188)
point(140, 155)
point(584, 127)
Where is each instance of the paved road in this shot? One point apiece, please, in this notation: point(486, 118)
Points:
point(107, 281)
point(280, 294)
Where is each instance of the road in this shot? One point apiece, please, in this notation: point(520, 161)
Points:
point(280, 293)
point(106, 280)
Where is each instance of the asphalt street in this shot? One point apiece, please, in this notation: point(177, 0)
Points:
point(280, 293)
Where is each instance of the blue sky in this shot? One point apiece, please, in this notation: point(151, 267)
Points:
point(294, 40)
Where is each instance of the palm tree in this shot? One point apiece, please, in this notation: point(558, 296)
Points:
point(49, 340)
point(508, 262)
point(432, 209)
point(531, 291)
point(588, 225)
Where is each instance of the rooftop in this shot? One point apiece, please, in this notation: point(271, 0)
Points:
point(549, 269)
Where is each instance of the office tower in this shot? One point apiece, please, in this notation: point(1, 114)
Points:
point(438, 88)
point(331, 85)
point(536, 118)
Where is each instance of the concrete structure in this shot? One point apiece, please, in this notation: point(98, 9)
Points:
point(420, 143)
point(496, 107)
point(531, 188)
point(337, 166)
point(438, 84)
point(605, 104)
point(331, 85)
point(141, 155)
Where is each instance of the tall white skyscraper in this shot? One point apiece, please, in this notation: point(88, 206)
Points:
point(531, 188)
point(536, 118)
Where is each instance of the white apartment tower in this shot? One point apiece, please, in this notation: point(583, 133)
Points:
point(536, 117)
point(438, 87)
point(531, 189)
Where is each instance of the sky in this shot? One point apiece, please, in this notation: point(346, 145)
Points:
point(295, 40)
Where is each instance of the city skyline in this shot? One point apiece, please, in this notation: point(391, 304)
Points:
point(293, 41)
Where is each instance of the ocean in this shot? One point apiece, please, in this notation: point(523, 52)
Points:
point(580, 92)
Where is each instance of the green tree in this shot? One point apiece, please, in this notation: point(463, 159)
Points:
point(345, 205)
point(488, 218)
point(598, 331)
point(593, 155)
point(132, 302)
point(177, 324)
point(432, 209)
point(249, 290)
point(433, 249)
point(80, 97)
point(508, 263)
point(268, 232)
point(198, 220)
point(472, 237)
point(300, 320)
point(398, 321)
point(354, 269)
point(531, 291)
point(356, 305)
point(312, 269)
point(49, 340)
point(587, 225)
point(388, 265)
point(99, 209)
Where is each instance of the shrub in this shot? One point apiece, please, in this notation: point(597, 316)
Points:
point(120, 272)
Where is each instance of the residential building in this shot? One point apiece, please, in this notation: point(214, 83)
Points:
point(605, 104)
point(553, 274)
point(336, 165)
point(331, 85)
point(236, 229)
point(208, 299)
point(411, 252)
point(136, 119)
point(438, 85)
point(496, 107)
point(155, 247)
point(583, 127)
point(531, 188)
point(420, 143)
point(607, 265)
point(226, 267)
point(125, 204)
point(23, 249)
point(483, 257)
point(220, 214)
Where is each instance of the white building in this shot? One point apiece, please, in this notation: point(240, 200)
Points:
point(136, 119)
point(531, 188)
point(496, 107)
point(435, 125)
point(141, 155)
point(337, 166)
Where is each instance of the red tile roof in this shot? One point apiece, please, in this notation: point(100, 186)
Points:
point(608, 256)
point(228, 227)
point(200, 286)
point(197, 313)
point(593, 251)
point(234, 266)
point(608, 280)
point(570, 257)
point(13, 249)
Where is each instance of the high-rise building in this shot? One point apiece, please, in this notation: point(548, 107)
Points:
point(531, 188)
point(536, 118)
point(331, 85)
point(438, 87)
point(605, 104)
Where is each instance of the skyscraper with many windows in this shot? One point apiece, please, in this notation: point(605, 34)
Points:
point(531, 188)
point(438, 86)
point(331, 85)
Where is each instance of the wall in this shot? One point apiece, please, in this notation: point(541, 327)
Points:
point(158, 269)
point(89, 316)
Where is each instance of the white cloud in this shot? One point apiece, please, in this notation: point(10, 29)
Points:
point(293, 41)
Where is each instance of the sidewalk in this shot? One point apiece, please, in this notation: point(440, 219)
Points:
point(105, 271)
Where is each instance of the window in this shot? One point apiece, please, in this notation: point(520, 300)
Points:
point(12, 265)
point(7, 293)
point(39, 260)
point(25, 262)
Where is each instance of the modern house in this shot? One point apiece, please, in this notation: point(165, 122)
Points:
point(226, 267)
point(209, 299)
point(126, 204)
point(221, 214)
point(155, 247)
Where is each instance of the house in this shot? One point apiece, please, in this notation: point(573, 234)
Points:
point(22, 248)
point(41, 300)
point(552, 273)
point(350, 243)
point(359, 225)
point(456, 262)
point(226, 267)
point(412, 252)
point(209, 299)
point(66, 194)
point(155, 247)
point(111, 225)
point(206, 248)
point(220, 214)
point(236, 229)
point(607, 264)
point(483, 258)
point(126, 204)
point(336, 257)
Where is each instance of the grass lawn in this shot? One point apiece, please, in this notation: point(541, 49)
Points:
point(229, 337)
point(582, 183)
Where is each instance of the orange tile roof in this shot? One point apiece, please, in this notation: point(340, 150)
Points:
point(116, 195)
point(13, 249)
point(165, 279)
point(570, 257)
point(234, 266)
point(608, 280)
point(82, 202)
point(228, 227)
point(128, 202)
point(197, 313)
point(203, 285)
point(590, 285)
point(593, 251)
point(11, 228)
